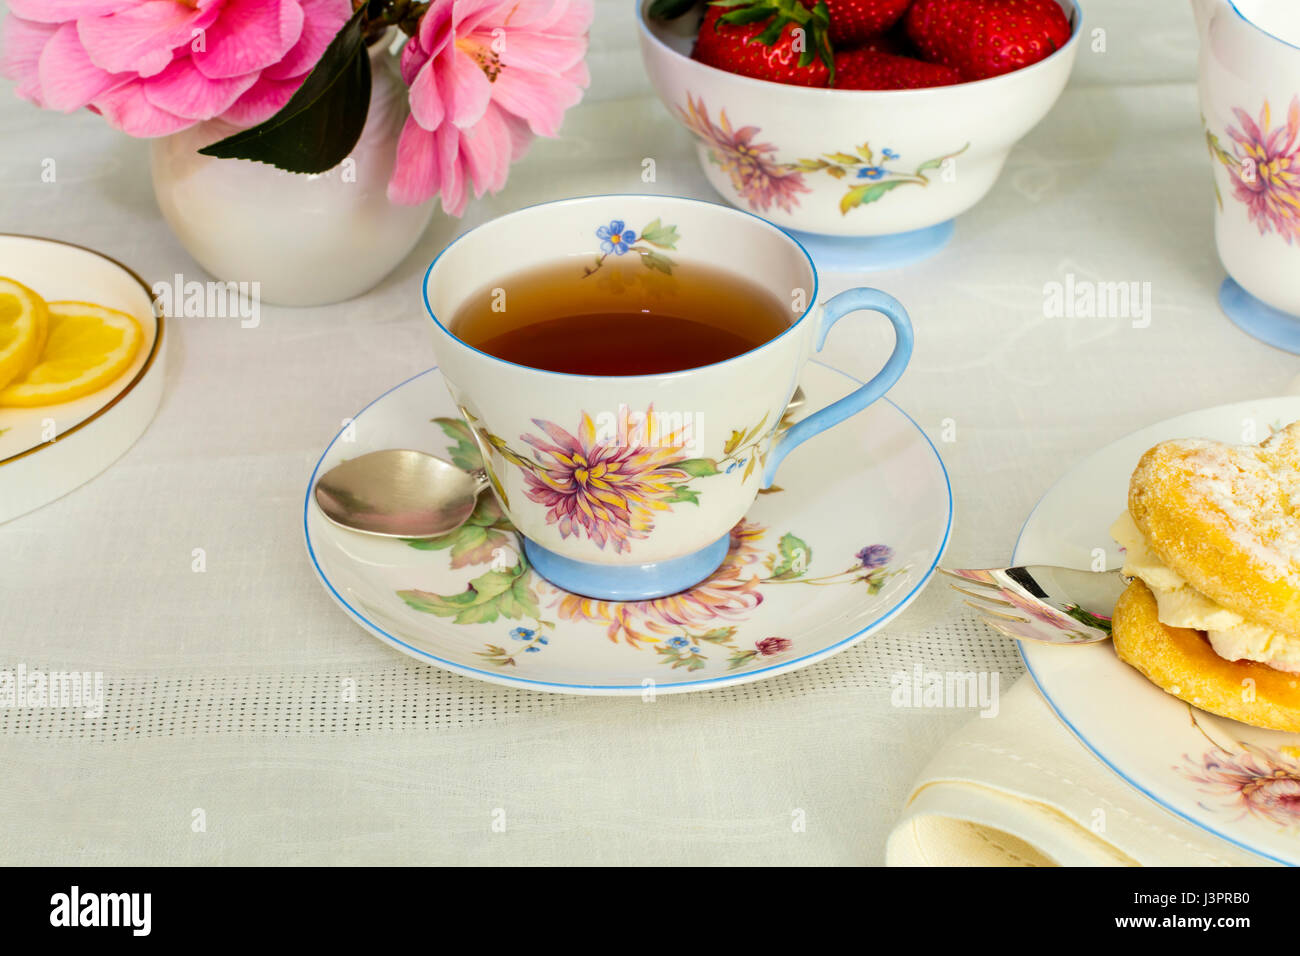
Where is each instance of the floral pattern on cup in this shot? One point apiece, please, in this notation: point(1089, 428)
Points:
point(1264, 168)
point(616, 239)
point(607, 485)
point(762, 181)
point(699, 628)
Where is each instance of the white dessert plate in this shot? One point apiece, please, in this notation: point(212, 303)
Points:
point(1238, 782)
point(855, 532)
point(48, 451)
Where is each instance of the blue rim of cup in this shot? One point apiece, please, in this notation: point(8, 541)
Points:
point(656, 376)
point(1252, 23)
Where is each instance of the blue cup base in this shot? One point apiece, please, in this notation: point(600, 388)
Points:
point(1277, 328)
point(873, 253)
point(629, 582)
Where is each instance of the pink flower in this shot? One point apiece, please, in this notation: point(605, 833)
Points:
point(606, 487)
point(1263, 783)
point(1267, 175)
point(730, 594)
point(755, 174)
point(485, 76)
point(153, 67)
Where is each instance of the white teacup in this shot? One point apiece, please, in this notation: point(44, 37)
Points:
point(626, 487)
point(1249, 85)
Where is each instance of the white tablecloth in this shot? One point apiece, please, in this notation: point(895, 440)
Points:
point(225, 738)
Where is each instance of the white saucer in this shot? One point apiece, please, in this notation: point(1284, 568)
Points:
point(794, 589)
point(1233, 780)
point(46, 452)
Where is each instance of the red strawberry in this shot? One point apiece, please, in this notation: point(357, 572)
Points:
point(893, 41)
point(868, 70)
point(856, 21)
point(751, 42)
point(983, 38)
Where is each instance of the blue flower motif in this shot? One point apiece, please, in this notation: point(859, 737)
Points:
point(888, 154)
point(531, 649)
point(523, 634)
point(615, 238)
point(678, 642)
point(875, 556)
point(871, 172)
point(542, 640)
point(734, 465)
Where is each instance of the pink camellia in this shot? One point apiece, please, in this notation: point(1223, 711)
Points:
point(153, 67)
point(485, 76)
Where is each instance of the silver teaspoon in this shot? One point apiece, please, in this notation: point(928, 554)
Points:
point(399, 493)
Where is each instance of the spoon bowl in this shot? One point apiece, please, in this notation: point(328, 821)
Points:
point(399, 493)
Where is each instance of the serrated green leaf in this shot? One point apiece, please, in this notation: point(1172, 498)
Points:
point(658, 262)
point(862, 195)
point(657, 234)
point(683, 493)
point(321, 123)
point(795, 556)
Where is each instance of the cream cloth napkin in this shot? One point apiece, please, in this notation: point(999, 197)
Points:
point(1019, 790)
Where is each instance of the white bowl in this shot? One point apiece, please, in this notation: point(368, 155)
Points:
point(767, 147)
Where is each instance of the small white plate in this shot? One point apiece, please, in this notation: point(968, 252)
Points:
point(854, 535)
point(46, 452)
point(1237, 782)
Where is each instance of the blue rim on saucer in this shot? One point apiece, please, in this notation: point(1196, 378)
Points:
point(1259, 319)
point(874, 253)
point(631, 582)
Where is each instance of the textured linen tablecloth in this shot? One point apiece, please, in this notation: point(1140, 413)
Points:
point(222, 688)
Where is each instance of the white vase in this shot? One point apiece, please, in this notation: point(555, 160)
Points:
point(307, 239)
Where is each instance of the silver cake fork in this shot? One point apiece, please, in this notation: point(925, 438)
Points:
point(1042, 603)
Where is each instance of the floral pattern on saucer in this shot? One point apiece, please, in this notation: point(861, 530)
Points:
point(1254, 781)
point(693, 630)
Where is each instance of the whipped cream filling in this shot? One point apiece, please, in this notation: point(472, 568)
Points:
point(1180, 605)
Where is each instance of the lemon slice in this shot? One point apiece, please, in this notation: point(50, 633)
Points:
point(24, 321)
point(88, 346)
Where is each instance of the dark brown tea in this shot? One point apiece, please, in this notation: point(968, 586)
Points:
point(621, 319)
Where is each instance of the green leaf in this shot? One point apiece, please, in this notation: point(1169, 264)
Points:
point(684, 493)
point(836, 171)
point(938, 161)
point(464, 454)
point(321, 123)
point(739, 658)
point(795, 557)
point(657, 234)
point(487, 597)
point(660, 263)
point(865, 152)
point(846, 158)
point(669, 9)
point(699, 467)
point(861, 195)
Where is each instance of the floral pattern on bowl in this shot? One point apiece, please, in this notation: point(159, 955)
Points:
point(693, 630)
point(762, 181)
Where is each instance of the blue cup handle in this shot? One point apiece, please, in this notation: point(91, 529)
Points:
point(839, 306)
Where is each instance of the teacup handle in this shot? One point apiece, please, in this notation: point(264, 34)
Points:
point(839, 306)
